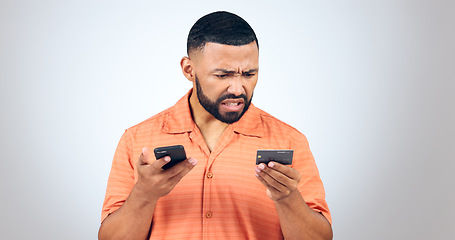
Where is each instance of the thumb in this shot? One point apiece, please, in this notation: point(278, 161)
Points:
point(144, 157)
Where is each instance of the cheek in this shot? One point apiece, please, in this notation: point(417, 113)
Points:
point(214, 90)
point(250, 87)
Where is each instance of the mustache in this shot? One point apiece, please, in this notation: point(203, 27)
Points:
point(232, 96)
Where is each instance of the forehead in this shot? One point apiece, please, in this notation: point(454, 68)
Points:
point(228, 56)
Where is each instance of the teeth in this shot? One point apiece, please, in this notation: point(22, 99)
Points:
point(231, 104)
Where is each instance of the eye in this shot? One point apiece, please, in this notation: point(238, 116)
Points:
point(221, 75)
point(248, 75)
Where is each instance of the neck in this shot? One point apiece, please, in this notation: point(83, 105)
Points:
point(210, 127)
point(201, 117)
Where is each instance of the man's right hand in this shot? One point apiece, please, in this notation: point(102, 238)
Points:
point(154, 182)
point(133, 219)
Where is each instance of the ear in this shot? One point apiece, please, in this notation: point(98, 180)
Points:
point(187, 68)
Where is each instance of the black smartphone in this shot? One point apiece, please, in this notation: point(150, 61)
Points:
point(281, 156)
point(176, 152)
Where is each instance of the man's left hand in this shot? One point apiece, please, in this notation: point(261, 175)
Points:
point(280, 180)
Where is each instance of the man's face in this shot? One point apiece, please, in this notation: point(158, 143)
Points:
point(214, 107)
point(225, 77)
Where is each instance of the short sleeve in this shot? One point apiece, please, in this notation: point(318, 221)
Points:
point(121, 178)
point(310, 185)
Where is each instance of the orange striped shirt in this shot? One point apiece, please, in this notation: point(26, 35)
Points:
point(221, 197)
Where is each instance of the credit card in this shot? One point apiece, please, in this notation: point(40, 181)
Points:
point(281, 156)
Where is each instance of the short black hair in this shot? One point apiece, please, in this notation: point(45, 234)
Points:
point(220, 27)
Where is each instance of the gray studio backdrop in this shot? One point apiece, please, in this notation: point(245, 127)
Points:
point(370, 83)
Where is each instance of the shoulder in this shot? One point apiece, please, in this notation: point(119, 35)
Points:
point(275, 126)
point(154, 123)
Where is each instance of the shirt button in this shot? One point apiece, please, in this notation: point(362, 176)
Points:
point(209, 175)
point(208, 214)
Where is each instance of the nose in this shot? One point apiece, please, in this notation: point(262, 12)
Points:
point(236, 86)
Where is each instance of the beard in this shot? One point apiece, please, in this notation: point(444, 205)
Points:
point(213, 107)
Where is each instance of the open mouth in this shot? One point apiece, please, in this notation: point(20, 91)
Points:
point(232, 105)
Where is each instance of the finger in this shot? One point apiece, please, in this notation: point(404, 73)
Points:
point(283, 174)
point(269, 179)
point(181, 169)
point(144, 157)
point(272, 192)
point(275, 176)
point(264, 182)
point(159, 163)
point(286, 170)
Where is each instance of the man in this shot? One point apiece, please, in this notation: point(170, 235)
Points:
point(218, 192)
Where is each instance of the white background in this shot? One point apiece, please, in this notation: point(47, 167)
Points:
point(370, 83)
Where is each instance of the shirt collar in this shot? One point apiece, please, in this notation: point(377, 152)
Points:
point(180, 120)
point(251, 123)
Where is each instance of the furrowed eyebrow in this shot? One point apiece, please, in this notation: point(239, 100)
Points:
point(224, 71)
point(251, 71)
point(233, 72)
